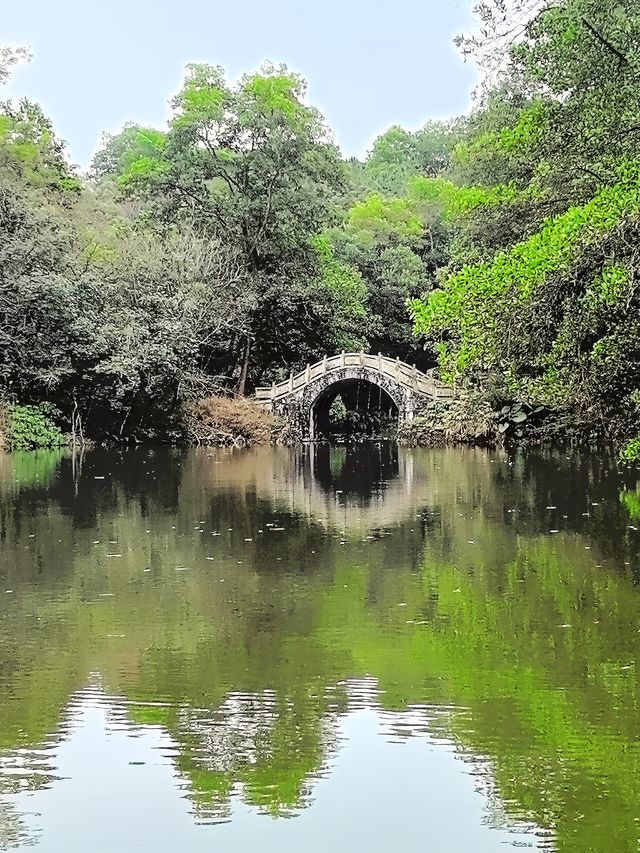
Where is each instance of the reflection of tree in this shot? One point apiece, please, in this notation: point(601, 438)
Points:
point(532, 635)
point(20, 771)
point(13, 833)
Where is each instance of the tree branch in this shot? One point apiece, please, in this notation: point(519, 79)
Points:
point(612, 48)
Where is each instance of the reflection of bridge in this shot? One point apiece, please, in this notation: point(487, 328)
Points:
point(355, 488)
point(306, 397)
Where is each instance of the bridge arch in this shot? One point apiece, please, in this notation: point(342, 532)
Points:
point(301, 397)
point(318, 395)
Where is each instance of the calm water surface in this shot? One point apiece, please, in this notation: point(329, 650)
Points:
point(319, 650)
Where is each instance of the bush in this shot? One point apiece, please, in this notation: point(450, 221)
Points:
point(231, 420)
point(468, 418)
point(630, 451)
point(31, 427)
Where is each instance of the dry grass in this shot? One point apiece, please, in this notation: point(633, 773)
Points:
point(231, 420)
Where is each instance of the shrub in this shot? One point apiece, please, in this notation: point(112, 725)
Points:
point(630, 451)
point(231, 420)
point(466, 419)
point(32, 427)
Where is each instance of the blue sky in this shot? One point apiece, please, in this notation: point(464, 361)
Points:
point(369, 64)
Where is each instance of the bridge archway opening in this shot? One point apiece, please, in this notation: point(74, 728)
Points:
point(352, 407)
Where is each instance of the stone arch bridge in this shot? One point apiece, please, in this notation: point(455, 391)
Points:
point(306, 397)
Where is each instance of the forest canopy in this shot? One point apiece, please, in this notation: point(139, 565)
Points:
point(236, 243)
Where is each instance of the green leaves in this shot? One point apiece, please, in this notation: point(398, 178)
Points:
point(344, 283)
point(383, 217)
point(202, 99)
point(630, 452)
point(134, 151)
point(30, 150)
point(279, 92)
point(475, 300)
point(31, 428)
point(458, 201)
point(530, 125)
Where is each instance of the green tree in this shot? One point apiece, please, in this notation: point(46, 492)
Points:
point(396, 245)
point(253, 166)
point(544, 203)
point(397, 155)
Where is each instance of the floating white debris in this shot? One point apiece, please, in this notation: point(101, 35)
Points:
point(113, 555)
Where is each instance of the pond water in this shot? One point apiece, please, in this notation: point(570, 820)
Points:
point(319, 649)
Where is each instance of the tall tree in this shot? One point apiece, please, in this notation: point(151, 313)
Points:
point(254, 166)
point(545, 200)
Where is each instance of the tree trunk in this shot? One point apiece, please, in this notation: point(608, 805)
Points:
point(245, 368)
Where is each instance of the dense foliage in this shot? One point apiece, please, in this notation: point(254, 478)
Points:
point(30, 428)
point(236, 244)
point(543, 197)
point(223, 252)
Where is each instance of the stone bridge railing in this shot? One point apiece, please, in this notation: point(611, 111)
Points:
point(423, 384)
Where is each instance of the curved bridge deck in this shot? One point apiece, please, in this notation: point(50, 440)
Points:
point(414, 380)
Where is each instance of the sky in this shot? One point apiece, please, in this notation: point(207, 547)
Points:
point(369, 63)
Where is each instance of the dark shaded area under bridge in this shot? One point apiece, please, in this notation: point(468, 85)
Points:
point(368, 409)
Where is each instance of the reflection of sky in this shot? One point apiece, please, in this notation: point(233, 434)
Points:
point(118, 790)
